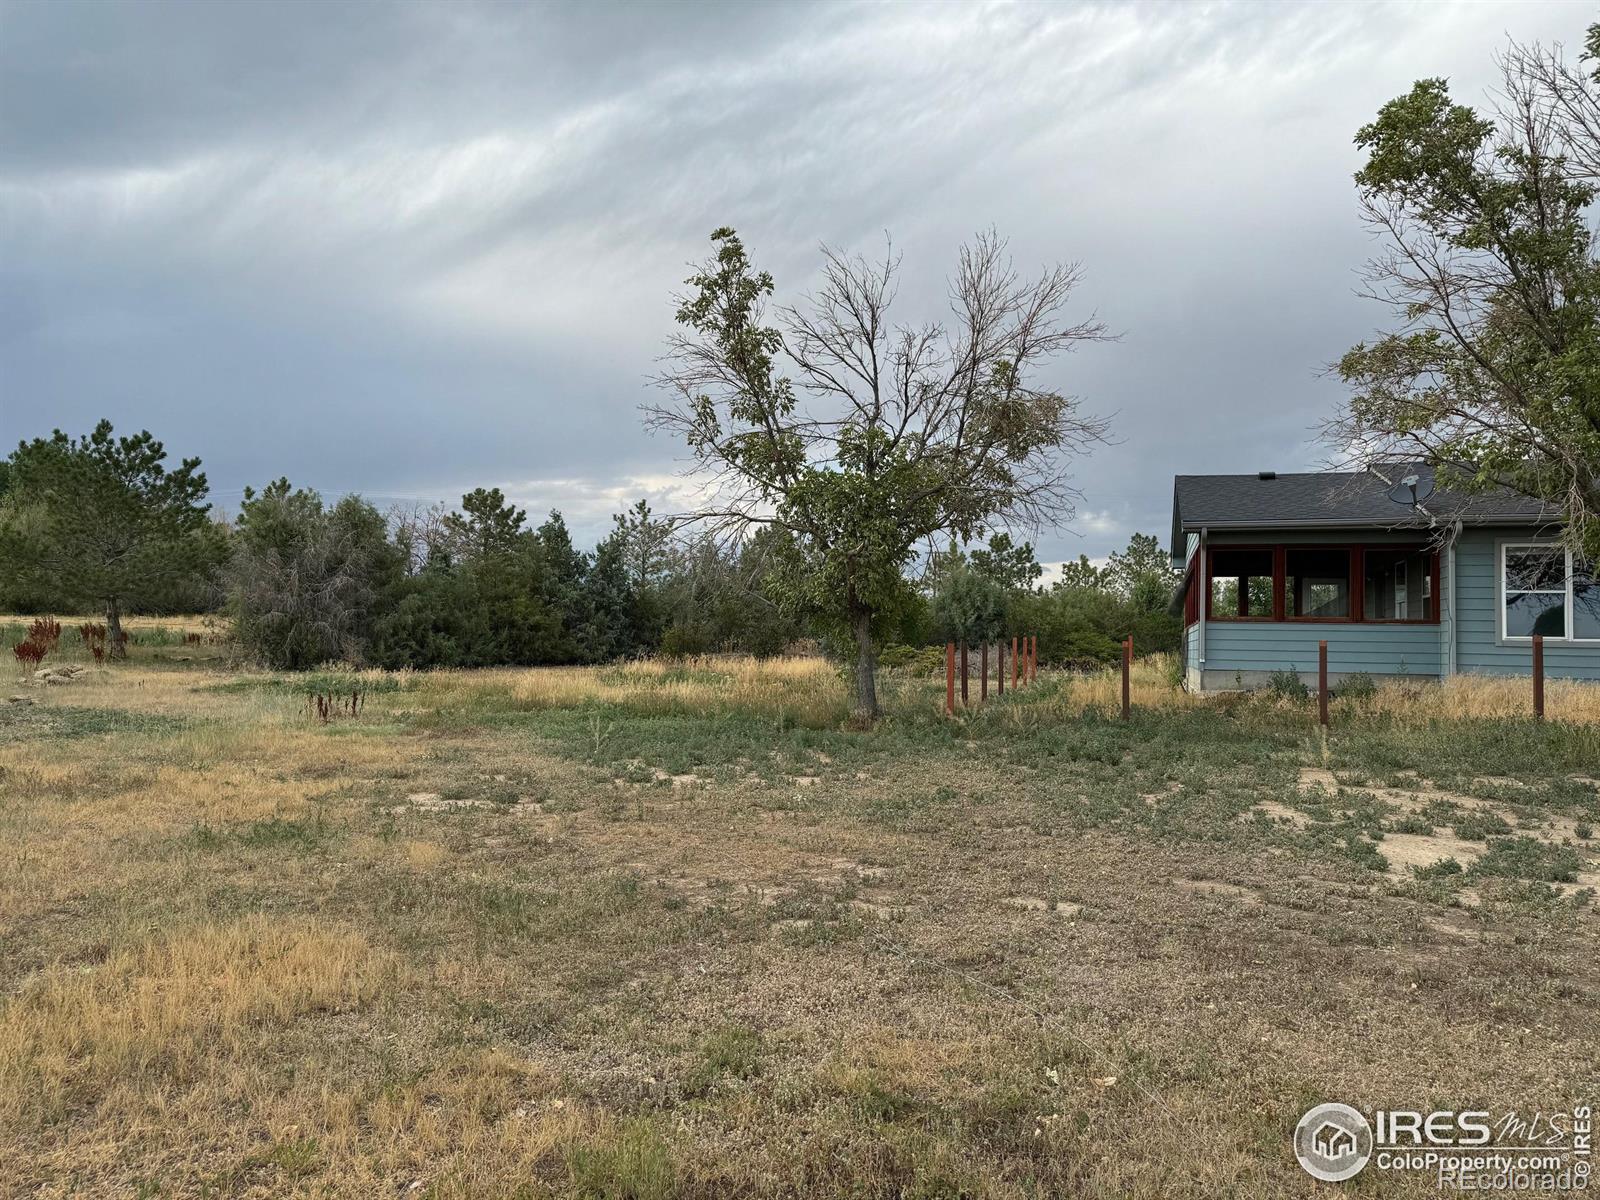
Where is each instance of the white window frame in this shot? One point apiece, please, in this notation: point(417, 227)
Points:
point(1500, 592)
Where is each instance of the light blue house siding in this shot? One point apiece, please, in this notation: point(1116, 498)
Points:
point(1253, 649)
point(1479, 648)
point(1221, 655)
point(1191, 658)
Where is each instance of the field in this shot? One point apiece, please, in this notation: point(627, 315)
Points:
point(674, 930)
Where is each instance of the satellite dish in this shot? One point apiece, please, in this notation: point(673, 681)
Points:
point(1412, 490)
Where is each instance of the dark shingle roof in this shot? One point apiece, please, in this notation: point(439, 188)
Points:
point(1337, 500)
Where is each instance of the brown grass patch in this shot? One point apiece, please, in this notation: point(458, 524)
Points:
point(155, 1015)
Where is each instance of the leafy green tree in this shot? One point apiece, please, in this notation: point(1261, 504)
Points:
point(971, 607)
point(639, 546)
point(486, 524)
point(562, 570)
point(1081, 575)
point(306, 581)
point(1492, 371)
point(102, 519)
point(1014, 568)
point(861, 439)
point(1143, 574)
point(729, 596)
point(644, 543)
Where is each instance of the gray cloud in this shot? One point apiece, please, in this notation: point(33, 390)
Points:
point(411, 249)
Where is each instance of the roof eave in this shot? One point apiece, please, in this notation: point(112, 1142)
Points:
point(1366, 522)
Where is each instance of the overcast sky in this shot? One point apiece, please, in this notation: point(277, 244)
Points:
point(410, 249)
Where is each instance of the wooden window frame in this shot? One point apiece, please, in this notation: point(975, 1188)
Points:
point(1432, 576)
point(1244, 599)
point(1356, 581)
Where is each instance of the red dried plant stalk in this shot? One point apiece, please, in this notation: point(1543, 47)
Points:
point(30, 653)
point(46, 631)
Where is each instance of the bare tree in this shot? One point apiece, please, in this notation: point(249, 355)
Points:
point(422, 531)
point(860, 437)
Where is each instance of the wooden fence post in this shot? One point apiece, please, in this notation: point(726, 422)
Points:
point(964, 674)
point(1013, 662)
point(1538, 677)
point(1127, 669)
point(949, 679)
point(983, 673)
point(1322, 683)
point(1000, 666)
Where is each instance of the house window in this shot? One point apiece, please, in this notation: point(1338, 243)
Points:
point(1397, 584)
point(1241, 585)
point(1383, 582)
point(1317, 583)
point(1585, 602)
point(1545, 591)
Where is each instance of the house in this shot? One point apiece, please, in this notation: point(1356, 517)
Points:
point(1399, 573)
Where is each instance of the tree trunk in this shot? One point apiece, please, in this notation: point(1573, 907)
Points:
point(866, 668)
point(116, 640)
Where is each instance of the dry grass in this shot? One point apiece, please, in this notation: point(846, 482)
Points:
point(1463, 697)
point(1475, 697)
point(807, 690)
point(672, 931)
point(164, 1010)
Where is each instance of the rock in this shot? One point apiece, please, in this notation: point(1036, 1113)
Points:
point(22, 700)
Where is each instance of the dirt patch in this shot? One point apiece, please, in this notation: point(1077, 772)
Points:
point(1215, 887)
point(1156, 797)
point(1282, 813)
point(840, 869)
point(678, 782)
point(871, 908)
point(1407, 850)
point(1037, 904)
point(434, 802)
point(1311, 777)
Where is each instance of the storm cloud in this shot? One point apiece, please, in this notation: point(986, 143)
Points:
point(409, 249)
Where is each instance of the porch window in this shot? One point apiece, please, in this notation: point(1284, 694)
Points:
point(1241, 585)
point(1317, 583)
point(1397, 585)
point(1380, 582)
point(1545, 591)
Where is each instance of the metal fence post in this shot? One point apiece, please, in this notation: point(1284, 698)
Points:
point(964, 674)
point(983, 673)
point(1013, 662)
